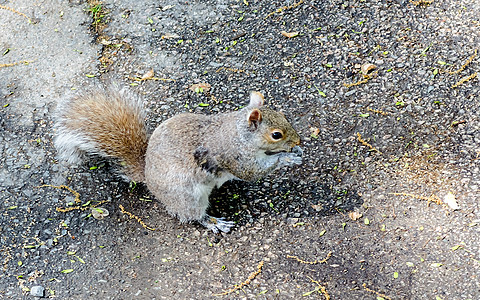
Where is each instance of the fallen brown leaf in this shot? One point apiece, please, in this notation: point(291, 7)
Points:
point(289, 34)
point(202, 85)
point(169, 36)
point(354, 215)
point(366, 68)
point(149, 75)
point(314, 131)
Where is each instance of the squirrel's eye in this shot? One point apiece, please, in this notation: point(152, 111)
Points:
point(276, 135)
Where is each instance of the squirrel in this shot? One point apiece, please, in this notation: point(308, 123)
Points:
point(186, 156)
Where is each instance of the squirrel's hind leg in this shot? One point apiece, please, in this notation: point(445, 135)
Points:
point(216, 224)
point(201, 195)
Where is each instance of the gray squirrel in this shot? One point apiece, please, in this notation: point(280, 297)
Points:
point(187, 156)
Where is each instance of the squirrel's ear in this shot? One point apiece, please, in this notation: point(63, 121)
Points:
point(254, 119)
point(256, 99)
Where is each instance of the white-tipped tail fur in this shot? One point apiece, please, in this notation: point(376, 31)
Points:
point(106, 122)
point(72, 146)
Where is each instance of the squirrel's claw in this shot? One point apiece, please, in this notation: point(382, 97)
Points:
point(293, 160)
point(216, 224)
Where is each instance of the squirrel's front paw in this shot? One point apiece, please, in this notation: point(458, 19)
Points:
point(216, 224)
point(297, 150)
point(294, 157)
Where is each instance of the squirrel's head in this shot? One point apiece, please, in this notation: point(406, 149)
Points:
point(274, 133)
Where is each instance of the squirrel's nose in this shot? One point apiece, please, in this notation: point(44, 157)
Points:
point(295, 143)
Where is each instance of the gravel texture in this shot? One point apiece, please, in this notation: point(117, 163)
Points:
point(423, 139)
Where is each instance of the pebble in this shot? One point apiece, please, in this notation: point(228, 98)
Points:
point(37, 291)
point(349, 93)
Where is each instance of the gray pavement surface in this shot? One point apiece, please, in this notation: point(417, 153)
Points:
point(374, 208)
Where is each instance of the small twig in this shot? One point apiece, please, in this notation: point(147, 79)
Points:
point(250, 278)
point(348, 85)
point(394, 215)
point(279, 10)
point(311, 262)
point(464, 79)
point(365, 80)
point(322, 289)
point(152, 78)
point(132, 216)
point(67, 209)
point(77, 199)
point(428, 241)
point(75, 193)
point(377, 111)
point(363, 142)
point(375, 292)
point(14, 64)
point(469, 60)
point(17, 12)
point(433, 198)
point(82, 208)
point(231, 70)
point(421, 2)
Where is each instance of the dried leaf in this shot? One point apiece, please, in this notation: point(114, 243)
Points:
point(366, 68)
point(289, 34)
point(170, 36)
point(314, 134)
point(149, 75)
point(354, 215)
point(451, 201)
point(203, 86)
point(167, 7)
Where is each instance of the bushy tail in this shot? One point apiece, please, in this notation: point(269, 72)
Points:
point(105, 122)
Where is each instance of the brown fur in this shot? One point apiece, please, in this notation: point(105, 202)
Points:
point(115, 125)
